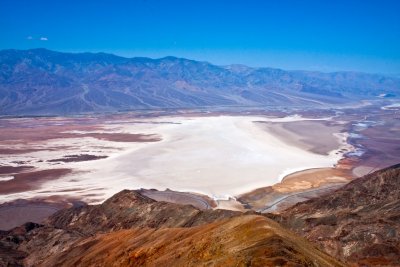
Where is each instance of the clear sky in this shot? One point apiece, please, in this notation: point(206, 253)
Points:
point(297, 34)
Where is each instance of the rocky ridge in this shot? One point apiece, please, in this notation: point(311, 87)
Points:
point(358, 223)
point(130, 229)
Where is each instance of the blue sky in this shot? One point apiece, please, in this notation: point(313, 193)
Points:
point(297, 34)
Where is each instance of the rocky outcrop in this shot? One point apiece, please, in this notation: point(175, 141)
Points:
point(10, 255)
point(248, 240)
point(358, 223)
point(130, 229)
point(129, 209)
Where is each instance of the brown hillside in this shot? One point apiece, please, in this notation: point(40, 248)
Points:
point(130, 229)
point(359, 223)
point(241, 241)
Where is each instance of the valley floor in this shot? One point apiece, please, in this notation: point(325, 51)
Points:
point(265, 162)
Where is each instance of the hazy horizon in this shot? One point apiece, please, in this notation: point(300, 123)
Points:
point(213, 63)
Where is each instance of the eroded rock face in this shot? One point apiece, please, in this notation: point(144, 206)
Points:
point(10, 255)
point(358, 223)
point(129, 209)
point(249, 240)
point(130, 229)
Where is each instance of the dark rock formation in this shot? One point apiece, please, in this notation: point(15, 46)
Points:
point(130, 229)
point(358, 223)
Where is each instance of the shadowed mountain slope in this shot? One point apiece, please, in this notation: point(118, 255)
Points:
point(41, 81)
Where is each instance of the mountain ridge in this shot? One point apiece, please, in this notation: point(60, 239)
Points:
point(41, 81)
point(230, 66)
point(357, 224)
point(130, 229)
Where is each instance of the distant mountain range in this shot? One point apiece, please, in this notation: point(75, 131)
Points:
point(40, 81)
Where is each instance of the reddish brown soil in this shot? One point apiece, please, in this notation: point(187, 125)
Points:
point(122, 137)
point(12, 169)
point(31, 130)
point(27, 135)
point(9, 151)
point(30, 180)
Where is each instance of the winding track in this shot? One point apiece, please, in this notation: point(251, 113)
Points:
point(168, 196)
point(297, 194)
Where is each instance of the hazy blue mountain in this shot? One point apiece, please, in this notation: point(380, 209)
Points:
point(41, 81)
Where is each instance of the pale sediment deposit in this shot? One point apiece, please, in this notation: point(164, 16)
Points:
point(219, 156)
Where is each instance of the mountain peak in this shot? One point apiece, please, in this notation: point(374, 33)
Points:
point(41, 81)
point(128, 198)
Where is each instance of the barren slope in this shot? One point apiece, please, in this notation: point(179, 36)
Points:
point(132, 230)
point(242, 241)
point(359, 223)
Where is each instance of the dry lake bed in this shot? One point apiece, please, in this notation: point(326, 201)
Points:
point(224, 161)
